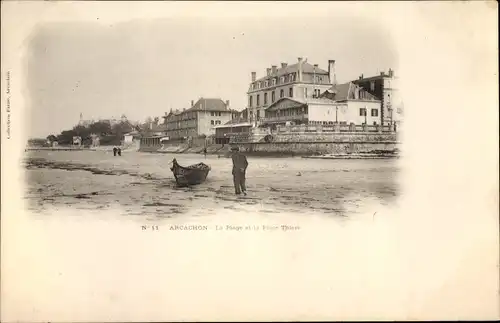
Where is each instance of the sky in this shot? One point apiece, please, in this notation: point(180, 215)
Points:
point(146, 67)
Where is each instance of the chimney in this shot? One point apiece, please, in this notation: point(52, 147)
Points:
point(382, 74)
point(227, 103)
point(254, 76)
point(192, 103)
point(300, 69)
point(361, 76)
point(391, 73)
point(331, 71)
point(283, 65)
point(274, 69)
point(268, 70)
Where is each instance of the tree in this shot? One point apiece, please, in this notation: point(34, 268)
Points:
point(66, 137)
point(100, 128)
point(51, 138)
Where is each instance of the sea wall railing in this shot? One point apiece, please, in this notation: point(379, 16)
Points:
point(336, 128)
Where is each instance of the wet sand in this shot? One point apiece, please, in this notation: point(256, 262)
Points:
point(142, 184)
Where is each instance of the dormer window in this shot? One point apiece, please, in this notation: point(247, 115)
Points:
point(282, 79)
point(265, 84)
point(274, 82)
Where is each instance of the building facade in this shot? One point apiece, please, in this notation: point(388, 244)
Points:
point(198, 120)
point(385, 87)
point(233, 128)
point(344, 104)
point(297, 81)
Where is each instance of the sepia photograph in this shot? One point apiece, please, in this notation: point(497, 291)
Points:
point(249, 161)
point(161, 117)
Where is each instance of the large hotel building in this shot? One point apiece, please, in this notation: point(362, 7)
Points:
point(300, 80)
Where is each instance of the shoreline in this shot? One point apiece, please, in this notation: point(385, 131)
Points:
point(223, 153)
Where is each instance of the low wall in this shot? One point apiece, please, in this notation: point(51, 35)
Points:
point(318, 148)
point(298, 144)
point(307, 143)
point(305, 137)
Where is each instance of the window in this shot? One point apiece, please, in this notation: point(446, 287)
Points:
point(282, 80)
point(274, 82)
point(362, 112)
point(374, 112)
point(211, 114)
point(372, 86)
point(258, 99)
point(258, 114)
point(212, 122)
point(265, 84)
point(265, 98)
point(374, 123)
point(290, 92)
point(305, 92)
point(273, 96)
point(282, 93)
point(250, 102)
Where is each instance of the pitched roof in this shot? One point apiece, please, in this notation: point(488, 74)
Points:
point(301, 102)
point(306, 68)
point(298, 102)
point(341, 91)
point(345, 91)
point(382, 75)
point(236, 121)
point(209, 105)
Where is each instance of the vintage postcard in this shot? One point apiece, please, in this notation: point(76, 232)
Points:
point(249, 161)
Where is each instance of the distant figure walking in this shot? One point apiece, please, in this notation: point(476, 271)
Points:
point(205, 152)
point(240, 165)
point(119, 151)
point(115, 150)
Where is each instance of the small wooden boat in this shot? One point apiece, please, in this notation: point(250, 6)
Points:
point(190, 175)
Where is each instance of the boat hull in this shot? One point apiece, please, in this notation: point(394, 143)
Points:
point(191, 175)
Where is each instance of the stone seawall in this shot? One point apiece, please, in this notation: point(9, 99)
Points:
point(323, 148)
point(309, 144)
point(308, 137)
point(298, 144)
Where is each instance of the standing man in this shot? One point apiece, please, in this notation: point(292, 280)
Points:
point(240, 165)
